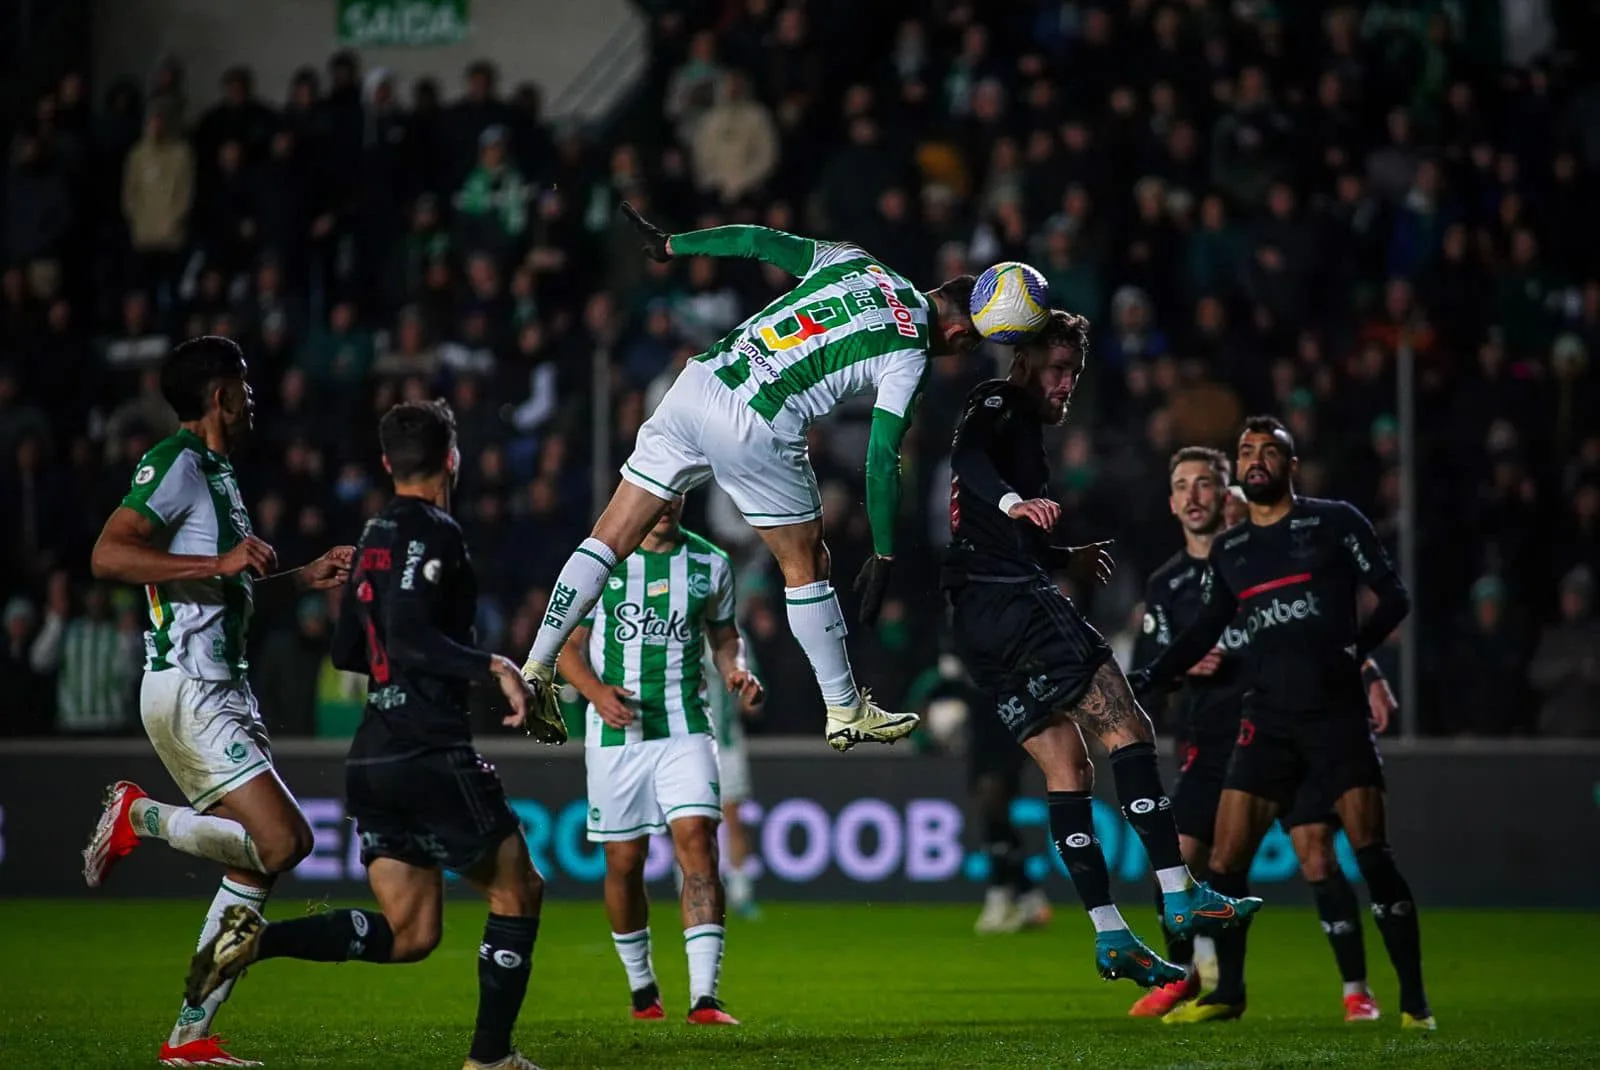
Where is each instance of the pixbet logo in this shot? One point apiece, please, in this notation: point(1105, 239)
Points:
point(1281, 612)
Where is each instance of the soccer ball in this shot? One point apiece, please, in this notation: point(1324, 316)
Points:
point(1010, 303)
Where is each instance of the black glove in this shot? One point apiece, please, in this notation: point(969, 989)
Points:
point(1139, 683)
point(654, 238)
point(871, 583)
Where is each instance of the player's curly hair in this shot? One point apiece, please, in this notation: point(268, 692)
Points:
point(1066, 330)
point(416, 438)
point(1215, 458)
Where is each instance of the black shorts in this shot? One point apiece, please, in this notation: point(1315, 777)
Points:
point(443, 808)
point(1026, 645)
point(1304, 762)
point(1203, 773)
point(993, 752)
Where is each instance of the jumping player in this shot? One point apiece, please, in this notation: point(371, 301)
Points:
point(1293, 570)
point(1048, 672)
point(649, 747)
point(422, 797)
point(1210, 706)
point(739, 412)
point(183, 533)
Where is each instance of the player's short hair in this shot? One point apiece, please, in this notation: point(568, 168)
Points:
point(191, 372)
point(416, 438)
point(958, 291)
point(1270, 425)
point(1065, 330)
point(1215, 458)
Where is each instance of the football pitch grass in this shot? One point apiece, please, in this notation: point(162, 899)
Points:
point(96, 984)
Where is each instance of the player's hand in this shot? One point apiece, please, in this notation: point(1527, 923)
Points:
point(250, 553)
point(329, 570)
point(1381, 705)
point(1091, 563)
point(612, 706)
point(1208, 665)
point(517, 691)
point(656, 241)
point(743, 684)
point(872, 583)
point(1041, 512)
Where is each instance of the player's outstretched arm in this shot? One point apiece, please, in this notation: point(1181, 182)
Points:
point(123, 553)
point(790, 252)
point(883, 509)
point(1217, 607)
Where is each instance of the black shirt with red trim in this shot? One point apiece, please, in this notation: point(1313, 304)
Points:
point(1293, 586)
point(406, 622)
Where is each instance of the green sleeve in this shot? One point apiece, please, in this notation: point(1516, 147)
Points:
point(787, 251)
point(883, 478)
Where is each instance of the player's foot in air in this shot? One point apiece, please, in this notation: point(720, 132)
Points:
point(1000, 913)
point(1199, 908)
point(515, 1061)
point(545, 723)
point(867, 723)
point(114, 838)
point(647, 1004)
point(1035, 908)
point(226, 954)
point(1423, 1022)
point(1120, 955)
point(207, 1051)
point(707, 1011)
point(1204, 1009)
point(1361, 1007)
point(1158, 1001)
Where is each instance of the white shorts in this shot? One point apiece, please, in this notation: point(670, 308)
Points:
point(733, 760)
point(702, 431)
point(207, 733)
point(637, 789)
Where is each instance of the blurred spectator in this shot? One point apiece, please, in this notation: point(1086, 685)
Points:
point(157, 194)
point(94, 657)
point(735, 143)
point(1484, 690)
point(493, 202)
point(1566, 666)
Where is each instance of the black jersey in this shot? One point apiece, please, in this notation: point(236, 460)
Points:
point(1209, 706)
point(998, 450)
point(1293, 587)
point(406, 622)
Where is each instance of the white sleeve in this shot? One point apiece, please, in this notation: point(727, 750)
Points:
point(901, 381)
point(165, 493)
point(722, 600)
point(829, 253)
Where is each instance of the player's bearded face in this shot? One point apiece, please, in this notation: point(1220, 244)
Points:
point(1264, 467)
point(1055, 382)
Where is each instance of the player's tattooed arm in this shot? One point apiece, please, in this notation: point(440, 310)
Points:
point(1109, 711)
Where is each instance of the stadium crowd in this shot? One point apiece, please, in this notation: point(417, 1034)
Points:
point(1259, 208)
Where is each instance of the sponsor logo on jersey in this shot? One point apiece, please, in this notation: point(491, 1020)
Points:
point(1149, 623)
point(796, 330)
point(1041, 688)
point(408, 577)
point(1012, 711)
point(699, 584)
point(431, 569)
point(634, 621)
point(993, 402)
point(897, 308)
point(1280, 612)
point(1304, 522)
point(656, 588)
point(145, 474)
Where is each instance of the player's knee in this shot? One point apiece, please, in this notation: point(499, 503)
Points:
point(519, 896)
point(697, 851)
point(283, 849)
point(1317, 866)
point(415, 941)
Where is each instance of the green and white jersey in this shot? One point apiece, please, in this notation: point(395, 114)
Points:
point(189, 493)
point(851, 326)
point(648, 634)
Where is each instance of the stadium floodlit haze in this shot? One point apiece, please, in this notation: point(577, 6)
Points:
point(1373, 221)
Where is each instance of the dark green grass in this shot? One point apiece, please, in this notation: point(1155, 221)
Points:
point(87, 985)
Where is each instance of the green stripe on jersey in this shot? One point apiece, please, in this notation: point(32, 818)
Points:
point(654, 719)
